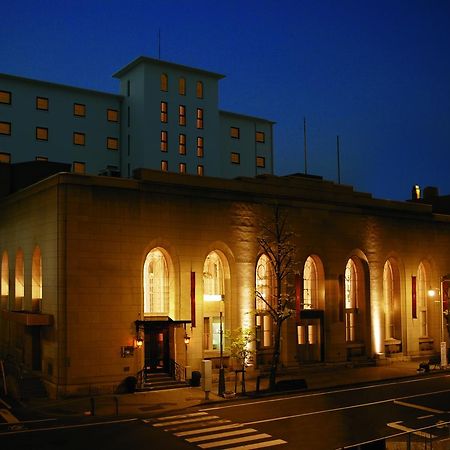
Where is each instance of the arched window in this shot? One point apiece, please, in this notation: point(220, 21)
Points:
point(310, 284)
point(265, 296)
point(391, 293)
point(19, 280)
point(422, 294)
point(156, 283)
point(182, 86)
point(4, 280)
point(264, 283)
point(213, 279)
point(213, 301)
point(36, 280)
point(351, 300)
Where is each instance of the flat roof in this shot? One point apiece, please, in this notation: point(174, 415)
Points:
point(245, 116)
point(59, 85)
point(146, 59)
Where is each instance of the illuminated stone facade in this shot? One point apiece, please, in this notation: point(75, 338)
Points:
point(84, 260)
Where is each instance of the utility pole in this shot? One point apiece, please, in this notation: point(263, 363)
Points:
point(338, 159)
point(304, 143)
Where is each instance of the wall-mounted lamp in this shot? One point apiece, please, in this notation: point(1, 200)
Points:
point(139, 341)
point(187, 338)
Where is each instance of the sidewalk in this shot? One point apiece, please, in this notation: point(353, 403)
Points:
point(147, 404)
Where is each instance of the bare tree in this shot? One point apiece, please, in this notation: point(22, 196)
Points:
point(276, 241)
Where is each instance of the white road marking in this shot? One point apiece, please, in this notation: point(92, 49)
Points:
point(182, 416)
point(398, 426)
point(342, 408)
point(68, 427)
point(257, 445)
point(183, 421)
point(415, 406)
point(210, 437)
point(426, 417)
point(318, 394)
point(255, 437)
point(188, 426)
point(208, 430)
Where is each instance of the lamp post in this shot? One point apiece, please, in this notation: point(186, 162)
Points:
point(221, 390)
point(444, 361)
point(443, 342)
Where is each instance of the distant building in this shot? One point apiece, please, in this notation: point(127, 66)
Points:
point(166, 118)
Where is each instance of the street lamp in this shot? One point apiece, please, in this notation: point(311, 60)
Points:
point(221, 390)
point(443, 342)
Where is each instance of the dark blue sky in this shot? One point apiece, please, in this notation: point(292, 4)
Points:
point(376, 73)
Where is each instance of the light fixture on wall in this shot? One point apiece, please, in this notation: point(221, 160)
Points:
point(187, 338)
point(139, 340)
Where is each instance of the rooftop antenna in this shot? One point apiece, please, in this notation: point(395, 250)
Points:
point(338, 159)
point(304, 143)
point(159, 43)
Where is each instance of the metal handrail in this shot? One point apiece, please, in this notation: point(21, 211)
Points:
point(177, 371)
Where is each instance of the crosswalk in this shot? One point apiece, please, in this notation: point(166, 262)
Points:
point(208, 431)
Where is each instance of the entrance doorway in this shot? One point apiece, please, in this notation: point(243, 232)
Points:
point(156, 345)
point(310, 340)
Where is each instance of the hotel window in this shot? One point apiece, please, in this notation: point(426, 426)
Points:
point(200, 170)
point(164, 166)
point(182, 167)
point(41, 134)
point(112, 115)
point(128, 88)
point(182, 86)
point(164, 141)
point(182, 144)
point(234, 132)
point(41, 158)
point(199, 89)
point(182, 115)
point(5, 158)
point(42, 103)
point(260, 137)
point(79, 110)
point(79, 167)
point(112, 143)
point(235, 158)
point(200, 146)
point(164, 81)
point(164, 112)
point(79, 138)
point(260, 161)
point(5, 97)
point(5, 128)
point(199, 118)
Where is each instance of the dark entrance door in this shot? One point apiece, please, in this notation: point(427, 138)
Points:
point(156, 345)
point(310, 341)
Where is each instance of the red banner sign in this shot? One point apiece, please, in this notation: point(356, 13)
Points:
point(192, 299)
point(413, 297)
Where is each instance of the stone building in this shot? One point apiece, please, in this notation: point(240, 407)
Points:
point(101, 276)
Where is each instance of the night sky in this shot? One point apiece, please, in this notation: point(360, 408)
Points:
point(376, 73)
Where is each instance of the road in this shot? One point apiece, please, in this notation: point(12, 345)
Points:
point(312, 421)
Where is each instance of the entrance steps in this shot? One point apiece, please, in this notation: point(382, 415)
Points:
point(160, 381)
